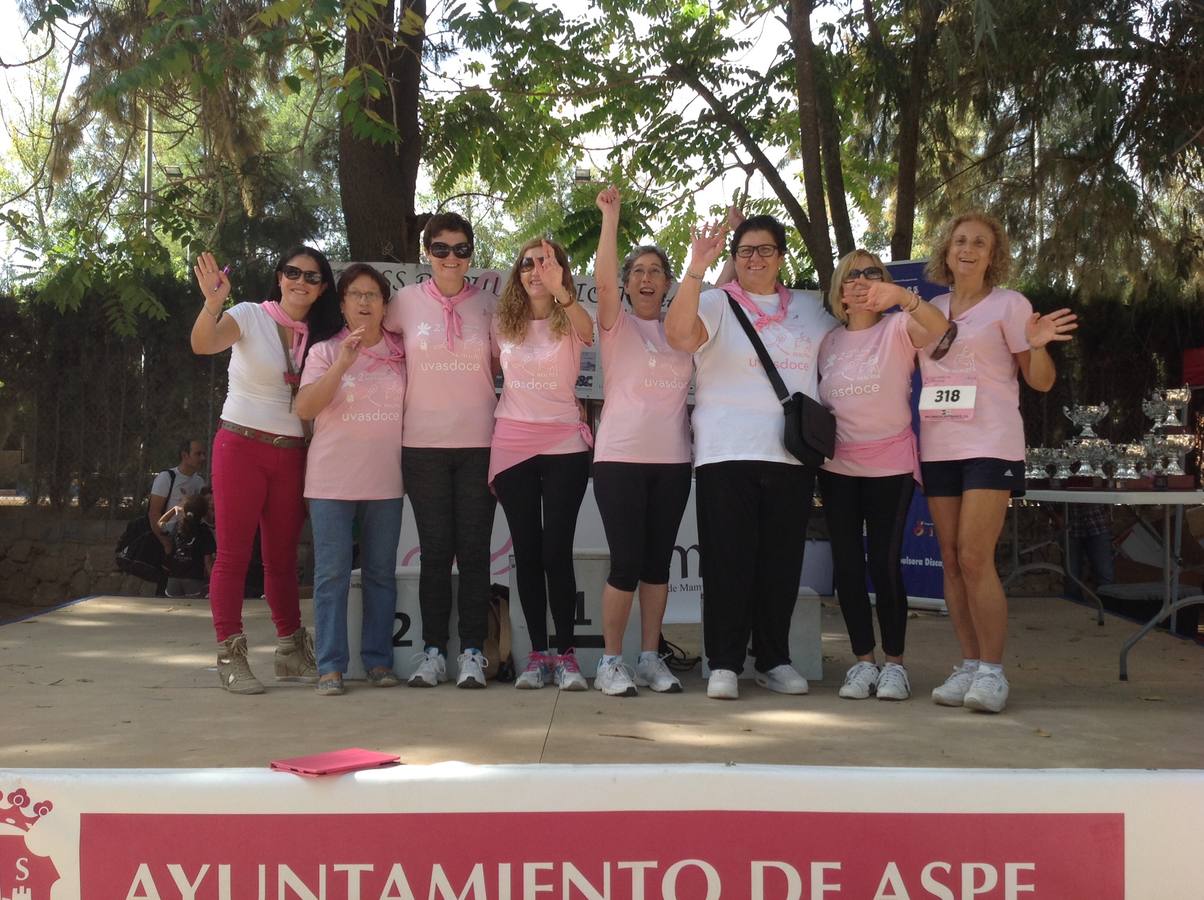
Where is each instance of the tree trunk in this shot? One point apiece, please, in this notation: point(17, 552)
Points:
point(829, 129)
point(911, 107)
point(377, 181)
point(809, 138)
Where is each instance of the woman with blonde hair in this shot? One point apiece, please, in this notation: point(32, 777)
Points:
point(972, 438)
point(539, 458)
point(865, 370)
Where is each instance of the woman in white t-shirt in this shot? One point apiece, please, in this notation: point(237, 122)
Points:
point(865, 371)
point(642, 455)
point(259, 451)
point(753, 497)
point(972, 439)
point(353, 389)
point(539, 458)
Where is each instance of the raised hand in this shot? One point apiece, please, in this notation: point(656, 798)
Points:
point(551, 273)
point(706, 245)
point(213, 282)
point(877, 296)
point(735, 217)
point(608, 201)
point(349, 347)
point(1055, 326)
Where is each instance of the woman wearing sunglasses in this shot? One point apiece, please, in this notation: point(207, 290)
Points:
point(353, 388)
point(753, 496)
point(642, 457)
point(259, 451)
point(865, 371)
point(539, 462)
point(446, 323)
point(972, 439)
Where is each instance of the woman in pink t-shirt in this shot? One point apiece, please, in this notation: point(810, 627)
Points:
point(642, 456)
point(353, 389)
point(446, 323)
point(972, 439)
point(865, 373)
point(539, 458)
point(259, 452)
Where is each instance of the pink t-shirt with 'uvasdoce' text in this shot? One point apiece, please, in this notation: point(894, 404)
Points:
point(539, 380)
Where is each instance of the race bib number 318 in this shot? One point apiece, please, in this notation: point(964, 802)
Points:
point(947, 399)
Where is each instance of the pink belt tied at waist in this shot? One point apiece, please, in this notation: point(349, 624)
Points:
point(898, 451)
point(515, 441)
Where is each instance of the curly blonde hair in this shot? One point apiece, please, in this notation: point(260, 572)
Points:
point(514, 306)
point(836, 289)
point(937, 270)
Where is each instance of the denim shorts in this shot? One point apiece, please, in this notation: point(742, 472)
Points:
point(953, 477)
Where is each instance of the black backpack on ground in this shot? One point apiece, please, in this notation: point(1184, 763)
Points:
point(139, 552)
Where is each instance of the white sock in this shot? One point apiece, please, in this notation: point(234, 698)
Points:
point(990, 668)
point(608, 659)
point(650, 655)
point(970, 665)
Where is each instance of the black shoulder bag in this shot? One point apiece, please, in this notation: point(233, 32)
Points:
point(810, 434)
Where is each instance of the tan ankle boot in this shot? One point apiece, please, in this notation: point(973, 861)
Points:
point(233, 670)
point(295, 660)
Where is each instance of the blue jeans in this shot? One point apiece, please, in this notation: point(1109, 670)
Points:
point(1097, 549)
point(332, 522)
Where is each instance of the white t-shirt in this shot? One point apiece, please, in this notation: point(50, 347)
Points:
point(737, 415)
point(184, 486)
point(258, 396)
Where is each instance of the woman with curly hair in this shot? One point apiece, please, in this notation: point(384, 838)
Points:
point(539, 458)
point(972, 439)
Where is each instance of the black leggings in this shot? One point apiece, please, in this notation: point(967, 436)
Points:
point(541, 497)
point(641, 505)
point(881, 504)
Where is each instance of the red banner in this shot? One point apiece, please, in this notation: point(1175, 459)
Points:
point(694, 855)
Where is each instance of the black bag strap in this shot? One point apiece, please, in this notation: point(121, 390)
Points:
point(767, 363)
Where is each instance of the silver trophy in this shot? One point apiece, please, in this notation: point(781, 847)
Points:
point(1062, 458)
point(1157, 409)
point(1131, 456)
point(1155, 454)
point(1037, 460)
point(1177, 400)
point(1085, 416)
point(1176, 446)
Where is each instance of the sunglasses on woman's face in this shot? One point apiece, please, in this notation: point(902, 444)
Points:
point(292, 273)
point(440, 250)
point(528, 263)
point(869, 273)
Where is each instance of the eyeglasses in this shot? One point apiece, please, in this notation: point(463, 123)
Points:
point(651, 272)
point(527, 263)
point(745, 251)
point(363, 296)
point(869, 273)
point(292, 273)
point(440, 250)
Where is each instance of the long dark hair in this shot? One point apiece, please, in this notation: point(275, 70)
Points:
point(193, 510)
point(323, 318)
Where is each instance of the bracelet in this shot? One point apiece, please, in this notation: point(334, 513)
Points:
point(914, 306)
point(563, 305)
point(217, 316)
point(693, 275)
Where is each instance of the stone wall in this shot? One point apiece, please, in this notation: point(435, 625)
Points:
point(48, 557)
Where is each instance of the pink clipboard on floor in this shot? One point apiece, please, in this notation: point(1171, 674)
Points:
point(335, 762)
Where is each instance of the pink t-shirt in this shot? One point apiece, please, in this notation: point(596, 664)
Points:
point(865, 379)
point(356, 450)
point(988, 336)
point(449, 395)
point(540, 380)
point(644, 418)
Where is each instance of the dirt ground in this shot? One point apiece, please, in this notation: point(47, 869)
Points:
point(129, 682)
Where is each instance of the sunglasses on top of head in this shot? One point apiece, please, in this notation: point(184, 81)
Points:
point(292, 273)
point(440, 250)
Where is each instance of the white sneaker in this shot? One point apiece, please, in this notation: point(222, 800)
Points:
point(893, 683)
point(538, 672)
point(614, 679)
point(472, 669)
point(432, 669)
point(953, 691)
point(723, 685)
point(567, 673)
point(860, 681)
point(651, 671)
point(782, 679)
point(988, 693)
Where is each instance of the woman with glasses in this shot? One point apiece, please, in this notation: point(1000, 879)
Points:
point(539, 460)
point(753, 496)
point(259, 451)
point(353, 388)
point(972, 439)
point(642, 456)
point(865, 371)
point(446, 323)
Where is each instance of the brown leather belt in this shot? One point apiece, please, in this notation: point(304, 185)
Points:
point(283, 441)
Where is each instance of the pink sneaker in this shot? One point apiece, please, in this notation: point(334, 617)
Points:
point(538, 671)
point(567, 674)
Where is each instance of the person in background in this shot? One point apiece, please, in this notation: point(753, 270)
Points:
point(193, 546)
point(642, 455)
point(259, 452)
point(169, 489)
point(539, 459)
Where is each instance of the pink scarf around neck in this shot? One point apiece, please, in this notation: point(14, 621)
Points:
point(452, 321)
point(761, 319)
point(391, 356)
point(300, 329)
